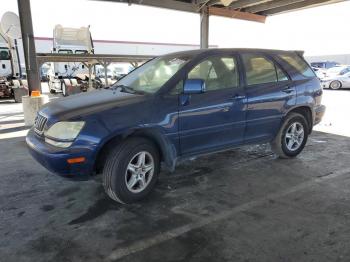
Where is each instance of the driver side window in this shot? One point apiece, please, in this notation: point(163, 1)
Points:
point(217, 72)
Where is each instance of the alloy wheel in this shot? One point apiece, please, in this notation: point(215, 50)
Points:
point(294, 136)
point(335, 85)
point(139, 172)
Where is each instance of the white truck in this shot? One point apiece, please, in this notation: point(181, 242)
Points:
point(68, 41)
point(11, 83)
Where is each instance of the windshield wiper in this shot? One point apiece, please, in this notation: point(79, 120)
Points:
point(123, 88)
point(128, 89)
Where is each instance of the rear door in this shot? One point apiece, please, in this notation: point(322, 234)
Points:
point(269, 94)
point(216, 118)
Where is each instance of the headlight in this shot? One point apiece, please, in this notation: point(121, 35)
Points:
point(64, 132)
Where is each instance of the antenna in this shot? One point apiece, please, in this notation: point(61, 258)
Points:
point(10, 25)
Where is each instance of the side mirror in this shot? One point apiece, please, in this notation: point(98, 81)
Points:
point(194, 86)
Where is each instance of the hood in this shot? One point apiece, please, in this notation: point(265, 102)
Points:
point(88, 103)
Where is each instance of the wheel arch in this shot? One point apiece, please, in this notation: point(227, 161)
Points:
point(304, 110)
point(167, 151)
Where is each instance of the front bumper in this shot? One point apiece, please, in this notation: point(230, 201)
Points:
point(319, 113)
point(325, 83)
point(55, 159)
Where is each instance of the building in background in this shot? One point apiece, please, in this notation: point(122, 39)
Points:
point(341, 59)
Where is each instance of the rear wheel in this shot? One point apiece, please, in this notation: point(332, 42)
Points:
point(131, 170)
point(292, 136)
point(335, 85)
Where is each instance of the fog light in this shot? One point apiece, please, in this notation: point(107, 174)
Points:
point(76, 160)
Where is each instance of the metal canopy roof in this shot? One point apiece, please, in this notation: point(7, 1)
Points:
point(252, 10)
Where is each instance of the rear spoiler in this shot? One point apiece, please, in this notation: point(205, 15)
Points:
point(299, 52)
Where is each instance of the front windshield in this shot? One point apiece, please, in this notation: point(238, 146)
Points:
point(344, 71)
point(335, 70)
point(151, 76)
point(4, 54)
point(65, 51)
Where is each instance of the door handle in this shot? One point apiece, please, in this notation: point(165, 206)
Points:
point(225, 109)
point(237, 97)
point(288, 90)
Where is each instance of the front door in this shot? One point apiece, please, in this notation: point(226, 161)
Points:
point(216, 118)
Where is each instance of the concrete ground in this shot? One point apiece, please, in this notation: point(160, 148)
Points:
point(240, 205)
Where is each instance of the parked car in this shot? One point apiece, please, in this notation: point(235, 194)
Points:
point(342, 80)
point(338, 70)
point(324, 64)
point(175, 107)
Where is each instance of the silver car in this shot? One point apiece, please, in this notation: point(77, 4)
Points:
point(341, 80)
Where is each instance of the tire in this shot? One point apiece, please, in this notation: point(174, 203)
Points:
point(52, 90)
point(64, 90)
point(283, 145)
point(335, 85)
point(122, 169)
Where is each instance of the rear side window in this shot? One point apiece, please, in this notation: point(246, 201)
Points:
point(298, 63)
point(281, 76)
point(260, 70)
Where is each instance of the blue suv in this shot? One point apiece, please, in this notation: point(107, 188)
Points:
point(178, 106)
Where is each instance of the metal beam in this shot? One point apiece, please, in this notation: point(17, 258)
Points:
point(204, 27)
point(229, 12)
point(246, 3)
point(90, 58)
point(194, 7)
point(29, 45)
point(168, 4)
point(299, 6)
point(270, 5)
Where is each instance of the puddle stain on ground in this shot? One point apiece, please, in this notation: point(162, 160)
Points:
point(100, 207)
point(47, 208)
point(20, 214)
point(68, 191)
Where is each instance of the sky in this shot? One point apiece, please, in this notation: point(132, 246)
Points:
point(318, 31)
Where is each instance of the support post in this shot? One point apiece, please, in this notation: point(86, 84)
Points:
point(29, 45)
point(105, 67)
point(204, 23)
point(90, 76)
point(18, 60)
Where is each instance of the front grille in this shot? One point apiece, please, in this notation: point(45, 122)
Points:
point(39, 124)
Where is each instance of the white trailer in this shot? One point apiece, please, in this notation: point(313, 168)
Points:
point(68, 41)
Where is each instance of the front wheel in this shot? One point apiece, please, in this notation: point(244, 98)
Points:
point(131, 170)
point(292, 136)
point(64, 90)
